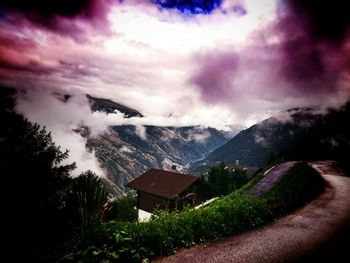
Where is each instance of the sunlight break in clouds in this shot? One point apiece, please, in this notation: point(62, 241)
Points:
point(215, 64)
point(148, 57)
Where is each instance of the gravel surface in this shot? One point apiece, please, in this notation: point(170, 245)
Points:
point(299, 237)
point(273, 176)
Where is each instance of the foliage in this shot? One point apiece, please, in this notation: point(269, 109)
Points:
point(42, 200)
point(204, 190)
point(223, 180)
point(90, 197)
point(167, 232)
point(300, 185)
point(327, 139)
point(122, 209)
point(255, 179)
point(36, 183)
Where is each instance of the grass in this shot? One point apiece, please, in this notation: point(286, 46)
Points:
point(254, 180)
point(167, 232)
point(300, 185)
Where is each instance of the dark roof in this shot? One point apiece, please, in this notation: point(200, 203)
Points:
point(162, 183)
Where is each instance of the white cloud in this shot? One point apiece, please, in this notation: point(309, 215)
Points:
point(200, 137)
point(125, 149)
point(140, 130)
point(147, 63)
point(61, 119)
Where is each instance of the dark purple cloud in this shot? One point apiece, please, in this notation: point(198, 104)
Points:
point(46, 8)
point(58, 16)
point(311, 66)
point(314, 34)
point(303, 56)
point(31, 67)
point(43, 9)
point(214, 76)
point(324, 20)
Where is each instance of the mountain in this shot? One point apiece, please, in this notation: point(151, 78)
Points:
point(124, 154)
point(109, 106)
point(126, 151)
point(301, 133)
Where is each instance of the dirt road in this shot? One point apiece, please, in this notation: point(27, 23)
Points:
point(314, 232)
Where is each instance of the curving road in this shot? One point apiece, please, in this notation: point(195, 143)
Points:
point(316, 232)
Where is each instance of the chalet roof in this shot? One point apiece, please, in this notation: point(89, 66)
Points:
point(162, 183)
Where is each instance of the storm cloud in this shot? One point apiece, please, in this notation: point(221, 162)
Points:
point(67, 18)
point(211, 63)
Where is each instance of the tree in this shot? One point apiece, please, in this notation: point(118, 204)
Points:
point(224, 180)
point(35, 184)
point(90, 197)
point(122, 209)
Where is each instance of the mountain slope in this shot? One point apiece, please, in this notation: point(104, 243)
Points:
point(126, 151)
point(109, 106)
point(125, 155)
point(294, 134)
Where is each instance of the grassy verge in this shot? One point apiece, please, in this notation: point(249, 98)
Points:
point(245, 188)
point(300, 185)
point(167, 232)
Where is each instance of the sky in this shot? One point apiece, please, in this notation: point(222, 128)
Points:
point(178, 62)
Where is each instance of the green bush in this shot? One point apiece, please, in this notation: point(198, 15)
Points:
point(122, 209)
point(89, 197)
point(167, 232)
point(223, 180)
point(300, 185)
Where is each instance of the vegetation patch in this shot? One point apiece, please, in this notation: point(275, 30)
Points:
point(245, 188)
point(167, 232)
point(301, 184)
point(220, 180)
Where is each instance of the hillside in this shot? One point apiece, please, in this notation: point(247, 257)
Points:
point(294, 134)
point(109, 106)
point(127, 151)
point(125, 155)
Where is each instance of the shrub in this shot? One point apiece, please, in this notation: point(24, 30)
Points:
point(300, 185)
point(90, 196)
point(167, 232)
point(122, 209)
point(223, 180)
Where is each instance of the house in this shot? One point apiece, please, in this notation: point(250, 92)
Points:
point(159, 189)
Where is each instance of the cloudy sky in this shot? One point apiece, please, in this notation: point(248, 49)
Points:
point(178, 62)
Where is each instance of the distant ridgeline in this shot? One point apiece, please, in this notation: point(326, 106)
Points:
point(126, 151)
point(109, 106)
point(296, 134)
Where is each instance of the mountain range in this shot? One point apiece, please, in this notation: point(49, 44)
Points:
point(126, 151)
point(300, 133)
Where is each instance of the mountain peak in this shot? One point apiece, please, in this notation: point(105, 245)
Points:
point(109, 106)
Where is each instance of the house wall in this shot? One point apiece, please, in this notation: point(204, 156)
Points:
point(143, 216)
point(149, 202)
